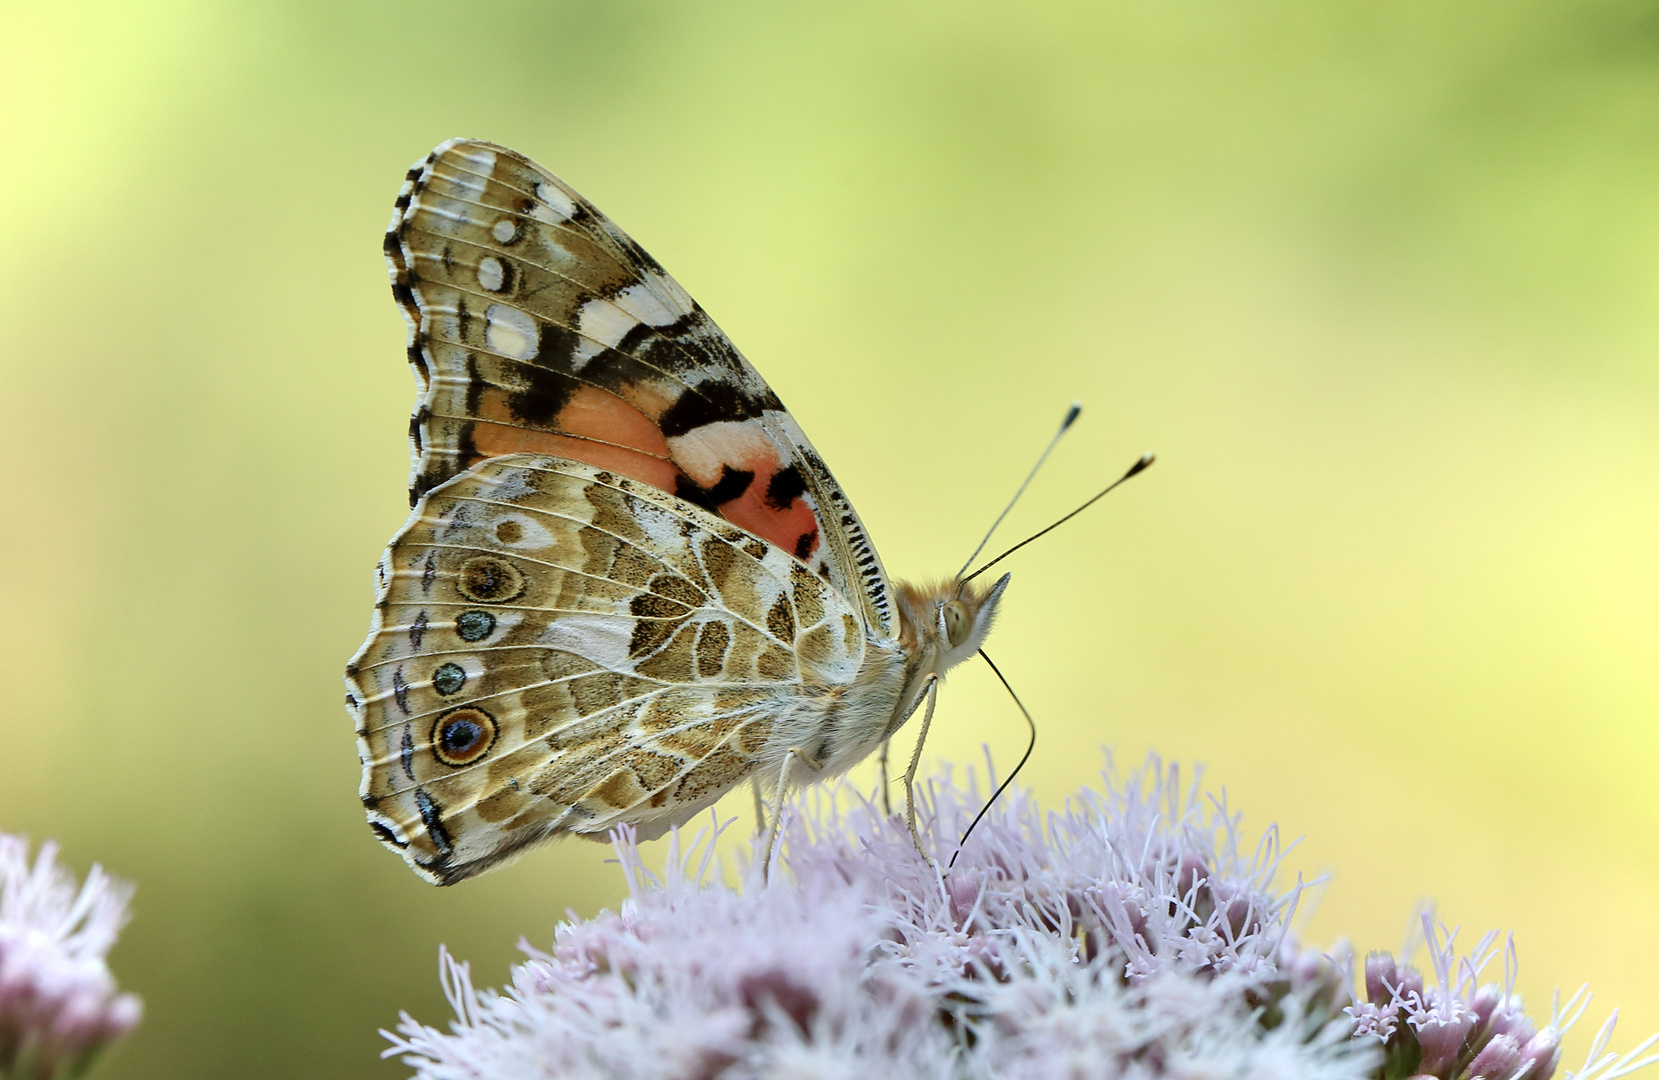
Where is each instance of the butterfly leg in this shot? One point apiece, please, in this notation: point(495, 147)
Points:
point(789, 758)
point(881, 766)
point(931, 692)
point(760, 807)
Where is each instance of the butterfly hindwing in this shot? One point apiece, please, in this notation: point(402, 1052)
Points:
point(559, 648)
point(537, 325)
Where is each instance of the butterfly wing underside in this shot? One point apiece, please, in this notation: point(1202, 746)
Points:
point(537, 325)
point(558, 648)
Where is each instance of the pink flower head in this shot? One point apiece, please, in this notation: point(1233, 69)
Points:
point(1132, 934)
point(58, 1001)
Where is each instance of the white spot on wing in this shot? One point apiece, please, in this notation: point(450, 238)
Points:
point(510, 332)
point(702, 451)
point(474, 173)
point(504, 230)
point(602, 324)
point(491, 274)
point(555, 205)
point(443, 214)
point(662, 527)
point(533, 536)
point(644, 304)
point(777, 563)
point(601, 640)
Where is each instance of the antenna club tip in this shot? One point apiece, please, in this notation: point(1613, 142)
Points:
point(1071, 415)
point(1141, 465)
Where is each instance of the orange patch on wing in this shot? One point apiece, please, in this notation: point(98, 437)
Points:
point(494, 440)
point(781, 527)
point(708, 451)
point(594, 427)
point(595, 414)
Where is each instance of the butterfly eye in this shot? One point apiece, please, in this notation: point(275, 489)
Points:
point(489, 580)
point(957, 623)
point(463, 736)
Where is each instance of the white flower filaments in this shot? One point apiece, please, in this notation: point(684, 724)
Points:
point(1132, 935)
point(58, 1001)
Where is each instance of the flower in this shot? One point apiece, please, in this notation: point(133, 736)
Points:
point(1456, 1029)
point(58, 1001)
point(1132, 934)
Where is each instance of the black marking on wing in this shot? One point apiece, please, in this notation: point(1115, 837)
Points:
point(432, 816)
point(713, 402)
point(546, 388)
point(475, 385)
point(400, 690)
point(417, 359)
point(387, 836)
point(731, 485)
point(786, 485)
point(463, 317)
point(636, 339)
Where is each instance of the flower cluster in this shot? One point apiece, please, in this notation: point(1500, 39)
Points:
point(1459, 1028)
point(1134, 934)
point(58, 1001)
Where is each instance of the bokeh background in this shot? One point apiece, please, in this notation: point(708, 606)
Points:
point(1379, 282)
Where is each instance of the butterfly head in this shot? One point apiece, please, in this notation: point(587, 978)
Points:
point(945, 624)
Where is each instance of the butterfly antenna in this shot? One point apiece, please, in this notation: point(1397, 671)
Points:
point(1071, 415)
point(1137, 467)
point(1030, 746)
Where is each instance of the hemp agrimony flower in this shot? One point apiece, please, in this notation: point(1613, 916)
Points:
point(58, 1001)
point(1132, 934)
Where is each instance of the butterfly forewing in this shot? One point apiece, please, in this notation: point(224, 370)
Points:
point(539, 326)
point(560, 648)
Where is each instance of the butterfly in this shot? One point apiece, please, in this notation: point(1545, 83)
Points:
point(628, 583)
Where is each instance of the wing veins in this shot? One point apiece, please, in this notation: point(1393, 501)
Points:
point(661, 688)
point(410, 785)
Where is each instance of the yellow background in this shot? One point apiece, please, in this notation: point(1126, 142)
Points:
point(1379, 282)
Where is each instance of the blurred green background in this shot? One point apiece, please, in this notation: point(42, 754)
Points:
point(1379, 282)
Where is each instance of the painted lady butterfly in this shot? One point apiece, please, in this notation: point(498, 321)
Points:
point(629, 583)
